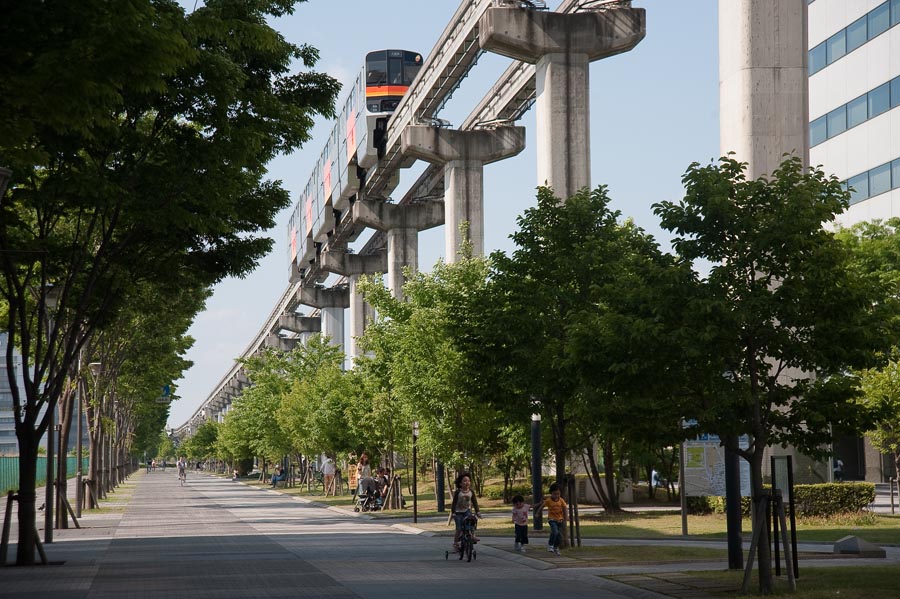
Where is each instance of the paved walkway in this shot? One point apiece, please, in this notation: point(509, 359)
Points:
point(220, 539)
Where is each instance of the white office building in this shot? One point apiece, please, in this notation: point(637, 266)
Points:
point(854, 100)
point(8, 443)
point(854, 133)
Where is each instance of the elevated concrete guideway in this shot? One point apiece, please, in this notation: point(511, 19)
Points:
point(453, 56)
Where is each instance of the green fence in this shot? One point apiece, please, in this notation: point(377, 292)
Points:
point(9, 471)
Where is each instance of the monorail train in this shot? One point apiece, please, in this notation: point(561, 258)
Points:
point(352, 147)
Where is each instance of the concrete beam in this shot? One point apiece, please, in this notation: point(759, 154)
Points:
point(401, 225)
point(284, 344)
point(318, 297)
point(331, 303)
point(383, 216)
point(352, 266)
point(463, 154)
point(348, 265)
point(298, 324)
point(561, 46)
point(529, 35)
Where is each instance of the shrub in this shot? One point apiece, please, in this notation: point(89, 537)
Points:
point(811, 501)
point(495, 491)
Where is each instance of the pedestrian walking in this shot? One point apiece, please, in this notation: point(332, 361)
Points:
point(520, 521)
point(556, 516)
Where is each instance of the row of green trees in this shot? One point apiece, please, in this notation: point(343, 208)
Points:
point(138, 136)
point(763, 322)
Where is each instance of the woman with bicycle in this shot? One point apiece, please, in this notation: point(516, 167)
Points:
point(464, 502)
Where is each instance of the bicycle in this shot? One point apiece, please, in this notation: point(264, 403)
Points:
point(466, 546)
point(182, 476)
point(315, 481)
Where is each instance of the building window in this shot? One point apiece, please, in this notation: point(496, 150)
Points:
point(836, 46)
point(873, 182)
point(880, 179)
point(879, 100)
point(879, 20)
point(837, 121)
point(874, 23)
point(857, 34)
point(817, 59)
point(859, 187)
point(818, 131)
point(857, 111)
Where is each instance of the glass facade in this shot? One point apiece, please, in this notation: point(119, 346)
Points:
point(856, 111)
point(848, 39)
point(873, 182)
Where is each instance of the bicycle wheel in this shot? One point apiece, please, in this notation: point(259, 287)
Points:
point(469, 549)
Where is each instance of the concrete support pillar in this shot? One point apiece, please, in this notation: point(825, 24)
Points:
point(331, 304)
point(353, 266)
point(401, 225)
point(561, 46)
point(360, 314)
point(763, 82)
point(333, 324)
point(463, 154)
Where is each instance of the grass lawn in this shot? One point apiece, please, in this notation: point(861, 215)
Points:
point(864, 582)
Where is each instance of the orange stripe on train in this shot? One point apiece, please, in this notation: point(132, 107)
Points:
point(373, 91)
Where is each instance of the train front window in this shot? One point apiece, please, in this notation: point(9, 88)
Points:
point(410, 70)
point(395, 69)
point(412, 62)
point(376, 72)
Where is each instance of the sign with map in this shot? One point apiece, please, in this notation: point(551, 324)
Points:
point(704, 467)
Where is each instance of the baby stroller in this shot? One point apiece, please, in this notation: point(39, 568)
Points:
point(368, 499)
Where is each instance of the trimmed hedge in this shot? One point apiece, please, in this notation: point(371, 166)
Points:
point(495, 491)
point(822, 500)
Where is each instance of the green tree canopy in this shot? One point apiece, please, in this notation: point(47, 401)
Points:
point(138, 137)
point(770, 336)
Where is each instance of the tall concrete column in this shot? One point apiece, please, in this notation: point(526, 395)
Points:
point(463, 154)
point(331, 304)
point(352, 266)
point(561, 46)
point(763, 82)
point(401, 225)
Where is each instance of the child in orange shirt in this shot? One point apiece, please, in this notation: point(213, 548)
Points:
point(556, 516)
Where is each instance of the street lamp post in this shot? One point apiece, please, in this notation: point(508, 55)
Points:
point(537, 483)
point(415, 431)
point(51, 299)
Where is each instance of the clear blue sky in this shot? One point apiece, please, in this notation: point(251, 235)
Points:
point(654, 110)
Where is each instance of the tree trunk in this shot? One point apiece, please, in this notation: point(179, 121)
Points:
point(596, 479)
point(28, 444)
point(610, 471)
point(763, 553)
point(65, 420)
point(560, 448)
